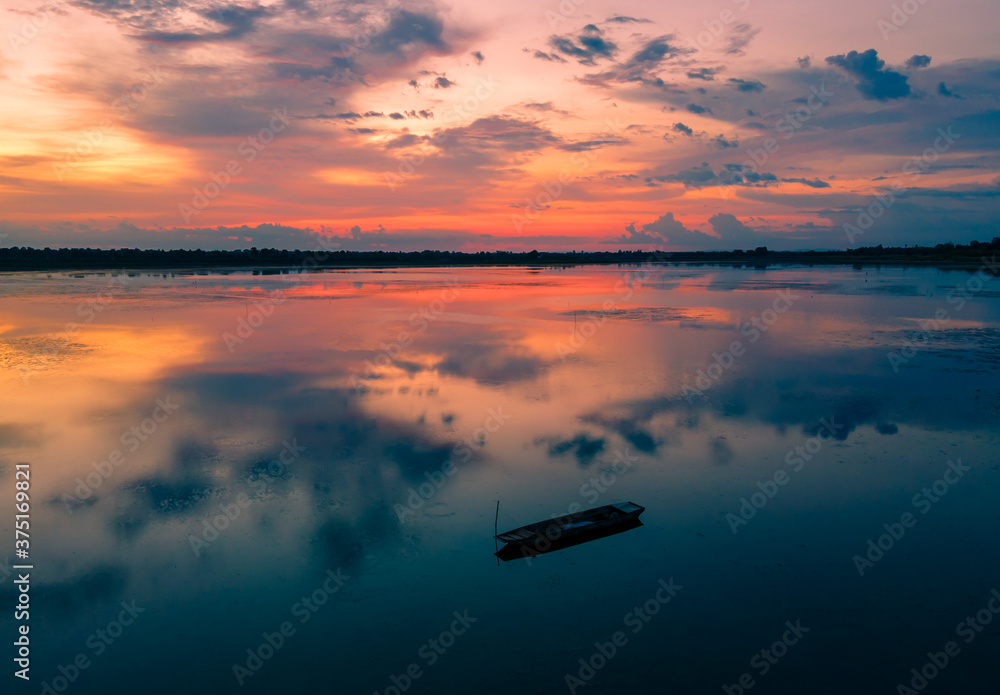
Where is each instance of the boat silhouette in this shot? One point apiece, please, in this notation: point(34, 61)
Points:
point(566, 531)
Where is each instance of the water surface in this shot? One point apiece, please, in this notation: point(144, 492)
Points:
point(362, 424)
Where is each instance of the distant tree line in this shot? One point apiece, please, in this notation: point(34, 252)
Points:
point(25, 258)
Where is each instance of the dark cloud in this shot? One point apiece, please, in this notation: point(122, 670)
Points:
point(69, 595)
point(694, 177)
point(343, 116)
point(500, 133)
point(357, 239)
point(582, 446)
point(655, 51)
point(396, 116)
point(409, 32)
point(642, 67)
point(334, 435)
point(874, 80)
point(683, 129)
point(720, 142)
point(732, 232)
point(587, 47)
point(804, 62)
point(338, 543)
point(695, 108)
point(595, 144)
point(785, 394)
point(621, 19)
point(703, 175)
point(639, 438)
point(918, 61)
point(956, 193)
point(237, 22)
point(178, 495)
point(814, 183)
point(414, 458)
point(482, 143)
point(288, 34)
point(706, 74)
point(404, 140)
point(478, 56)
point(945, 92)
point(547, 107)
point(551, 57)
point(267, 47)
point(742, 174)
point(635, 237)
point(336, 69)
point(739, 38)
point(443, 83)
point(729, 233)
point(672, 231)
point(746, 85)
point(490, 359)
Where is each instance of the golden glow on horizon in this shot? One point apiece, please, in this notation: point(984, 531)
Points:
point(351, 177)
point(199, 102)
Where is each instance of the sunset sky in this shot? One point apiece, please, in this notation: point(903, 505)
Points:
point(518, 125)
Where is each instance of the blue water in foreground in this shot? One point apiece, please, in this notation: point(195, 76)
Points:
point(287, 482)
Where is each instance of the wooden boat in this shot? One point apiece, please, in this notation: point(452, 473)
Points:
point(597, 522)
point(515, 551)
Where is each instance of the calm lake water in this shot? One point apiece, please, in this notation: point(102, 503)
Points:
point(237, 455)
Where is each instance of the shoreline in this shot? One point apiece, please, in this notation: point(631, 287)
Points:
point(272, 261)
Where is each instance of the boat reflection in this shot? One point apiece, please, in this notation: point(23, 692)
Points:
point(518, 552)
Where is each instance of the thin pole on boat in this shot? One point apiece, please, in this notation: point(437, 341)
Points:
point(496, 541)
